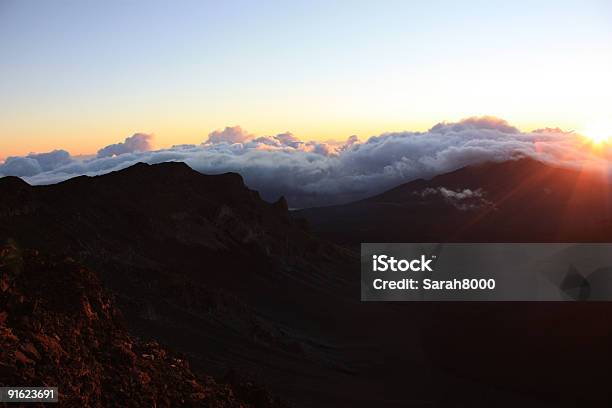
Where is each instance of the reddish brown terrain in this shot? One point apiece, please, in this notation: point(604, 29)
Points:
point(237, 285)
point(60, 328)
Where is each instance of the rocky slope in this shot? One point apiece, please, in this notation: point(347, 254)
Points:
point(202, 264)
point(59, 328)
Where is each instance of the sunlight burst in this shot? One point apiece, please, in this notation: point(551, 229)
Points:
point(598, 133)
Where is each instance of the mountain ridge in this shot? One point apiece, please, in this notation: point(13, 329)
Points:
point(521, 200)
point(202, 264)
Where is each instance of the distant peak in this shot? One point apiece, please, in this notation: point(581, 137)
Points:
point(157, 167)
point(170, 164)
point(173, 172)
point(231, 178)
point(517, 161)
point(281, 204)
point(13, 182)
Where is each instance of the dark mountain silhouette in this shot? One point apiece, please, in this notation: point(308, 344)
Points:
point(514, 201)
point(200, 263)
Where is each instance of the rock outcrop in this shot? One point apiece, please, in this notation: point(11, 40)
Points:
point(60, 328)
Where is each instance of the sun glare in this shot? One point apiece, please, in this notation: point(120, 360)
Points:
point(598, 133)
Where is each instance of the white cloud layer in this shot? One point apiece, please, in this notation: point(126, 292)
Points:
point(464, 200)
point(314, 173)
point(139, 142)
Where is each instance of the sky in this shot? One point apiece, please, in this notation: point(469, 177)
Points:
point(81, 75)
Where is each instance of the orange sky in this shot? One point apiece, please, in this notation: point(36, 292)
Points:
point(87, 74)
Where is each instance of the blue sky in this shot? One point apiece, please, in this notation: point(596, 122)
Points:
point(82, 74)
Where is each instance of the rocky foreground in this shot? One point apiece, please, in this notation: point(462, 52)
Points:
point(59, 327)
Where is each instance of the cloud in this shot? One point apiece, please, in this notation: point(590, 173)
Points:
point(476, 123)
point(316, 173)
point(288, 139)
point(233, 134)
point(139, 142)
point(463, 200)
point(33, 164)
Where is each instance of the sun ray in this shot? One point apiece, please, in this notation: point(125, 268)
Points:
point(598, 133)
